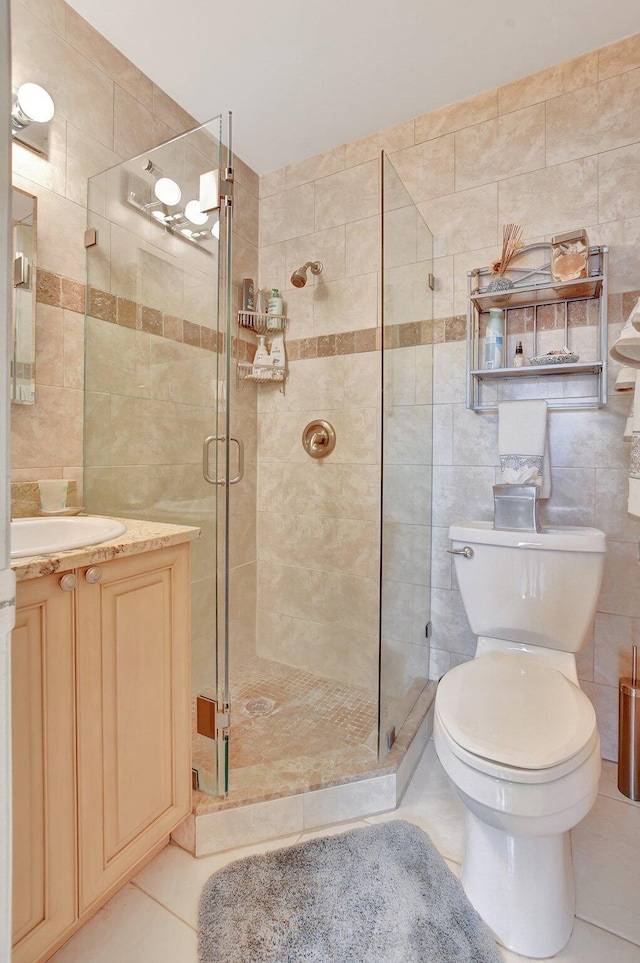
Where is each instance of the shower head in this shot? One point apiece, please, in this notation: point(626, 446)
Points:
point(299, 277)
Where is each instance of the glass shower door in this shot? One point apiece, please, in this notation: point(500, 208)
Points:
point(211, 738)
point(407, 424)
point(157, 360)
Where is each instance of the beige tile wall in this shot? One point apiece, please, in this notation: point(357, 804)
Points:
point(553, 151)
point(318, 520)
point(106, 110)
point(150, 400)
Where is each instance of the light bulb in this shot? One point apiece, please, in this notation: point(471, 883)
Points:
point(35, 104)
point(167, 191)
point(215, 230)
point(193, 213)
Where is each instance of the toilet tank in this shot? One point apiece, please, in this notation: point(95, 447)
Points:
point(539, 588)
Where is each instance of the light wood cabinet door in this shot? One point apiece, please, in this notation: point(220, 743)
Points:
point(134, 762)
point(44, 789)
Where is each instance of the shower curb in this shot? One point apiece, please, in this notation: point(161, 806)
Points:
point(246, 825)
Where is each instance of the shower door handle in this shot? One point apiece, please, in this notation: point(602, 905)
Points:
point(205, 459)
point(239, 442)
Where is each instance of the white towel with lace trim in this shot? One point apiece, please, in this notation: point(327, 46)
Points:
point(634, 468)
point(523, 444)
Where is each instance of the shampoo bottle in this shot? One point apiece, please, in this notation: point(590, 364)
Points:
point(494, 344)
point(275, 303)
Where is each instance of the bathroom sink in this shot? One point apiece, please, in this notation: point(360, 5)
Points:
point(41, 536)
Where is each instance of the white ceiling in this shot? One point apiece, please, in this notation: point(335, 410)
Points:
point(304, 76)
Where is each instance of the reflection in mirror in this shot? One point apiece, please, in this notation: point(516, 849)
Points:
point(23, 342)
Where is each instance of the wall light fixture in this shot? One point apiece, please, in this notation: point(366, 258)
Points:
point(161, 200)
point(31, 112)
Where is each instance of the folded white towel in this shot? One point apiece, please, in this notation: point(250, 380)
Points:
point(634, 317)
point(523, 444)
point(634, 468)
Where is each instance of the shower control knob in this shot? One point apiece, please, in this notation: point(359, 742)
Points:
point(93, 575)
point(68, 582)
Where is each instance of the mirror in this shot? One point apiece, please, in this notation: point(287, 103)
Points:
point(23, 341)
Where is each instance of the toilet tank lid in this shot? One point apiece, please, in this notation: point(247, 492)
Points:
point(514, 710)
point(558, 539)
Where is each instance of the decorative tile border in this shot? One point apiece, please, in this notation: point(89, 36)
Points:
point(72, 295)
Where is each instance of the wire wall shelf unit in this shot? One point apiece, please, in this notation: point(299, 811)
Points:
point(544, 315)
point(266, 325)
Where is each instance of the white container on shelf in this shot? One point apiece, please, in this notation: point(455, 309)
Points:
point(276, 304)
point(262, 361)
point(494, 344)
point(277, 351)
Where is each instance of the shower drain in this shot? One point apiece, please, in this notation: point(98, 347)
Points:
point(258, 707)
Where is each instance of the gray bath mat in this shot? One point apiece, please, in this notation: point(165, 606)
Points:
point(376, 895)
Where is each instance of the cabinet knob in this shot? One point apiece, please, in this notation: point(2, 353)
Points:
point(93, 575)
point(68, 582)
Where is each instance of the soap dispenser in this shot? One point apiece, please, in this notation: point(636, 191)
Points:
point(262, 362)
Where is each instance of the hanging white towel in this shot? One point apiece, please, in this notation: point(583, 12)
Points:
point(523, 444)
point(626, 379)
point(626, 349)
point(628, 427)
point(634, 468)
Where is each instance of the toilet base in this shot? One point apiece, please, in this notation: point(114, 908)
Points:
point(522, 887)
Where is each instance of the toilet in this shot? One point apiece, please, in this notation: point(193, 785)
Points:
point(514, 731)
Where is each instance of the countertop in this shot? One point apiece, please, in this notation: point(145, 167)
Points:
point(139, 537)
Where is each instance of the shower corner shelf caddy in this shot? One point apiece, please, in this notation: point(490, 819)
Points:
point(535, 288)
point(267, 325)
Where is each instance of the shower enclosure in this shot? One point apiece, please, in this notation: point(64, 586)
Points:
point(407, 454)
point(310, 583)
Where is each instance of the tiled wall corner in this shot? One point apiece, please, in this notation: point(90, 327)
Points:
point(553, 151)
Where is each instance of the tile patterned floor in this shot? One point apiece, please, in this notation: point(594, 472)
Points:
point(155, 916)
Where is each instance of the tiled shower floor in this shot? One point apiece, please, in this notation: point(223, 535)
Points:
point(292, 731)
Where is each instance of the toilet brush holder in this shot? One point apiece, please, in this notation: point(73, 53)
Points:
point(629, 733)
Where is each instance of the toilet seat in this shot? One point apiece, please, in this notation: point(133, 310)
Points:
point(510, 713)
point(512, 774)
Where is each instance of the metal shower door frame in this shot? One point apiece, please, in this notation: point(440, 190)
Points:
point(212, 705)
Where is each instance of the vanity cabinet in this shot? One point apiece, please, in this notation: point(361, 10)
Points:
point(44, 767)
point(101, 736)
point(134, 758)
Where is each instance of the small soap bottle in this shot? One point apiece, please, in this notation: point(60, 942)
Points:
point(518, 358)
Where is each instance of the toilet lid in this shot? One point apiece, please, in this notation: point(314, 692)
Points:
point(514, 710)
